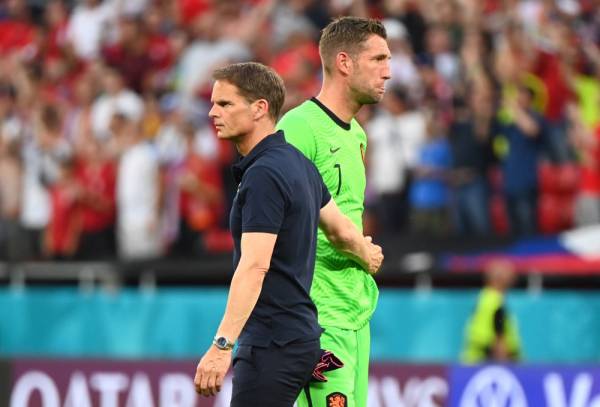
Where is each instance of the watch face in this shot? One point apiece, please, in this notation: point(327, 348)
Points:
point(222, 343)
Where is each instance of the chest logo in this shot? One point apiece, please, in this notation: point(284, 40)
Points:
point(333, 150)
point(337, 399)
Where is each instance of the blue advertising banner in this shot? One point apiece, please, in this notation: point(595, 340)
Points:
point(524, 386)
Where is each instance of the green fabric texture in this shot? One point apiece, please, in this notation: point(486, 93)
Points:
point(345, 295)
point(352, 380)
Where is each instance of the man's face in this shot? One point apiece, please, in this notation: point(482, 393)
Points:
point(231, 113)
point(370, 70)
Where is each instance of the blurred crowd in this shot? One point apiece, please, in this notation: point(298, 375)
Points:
point(490, 124)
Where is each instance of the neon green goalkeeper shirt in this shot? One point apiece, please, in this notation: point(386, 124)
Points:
point(345, 295)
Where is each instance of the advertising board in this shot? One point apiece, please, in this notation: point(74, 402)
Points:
point(524, 386)
point(87, 383)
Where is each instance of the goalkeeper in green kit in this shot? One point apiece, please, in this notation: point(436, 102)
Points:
point(355, 58)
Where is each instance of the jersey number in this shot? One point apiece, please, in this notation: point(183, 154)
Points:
point(339, 168)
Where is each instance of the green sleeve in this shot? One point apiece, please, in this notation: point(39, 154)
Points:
point(298, 132)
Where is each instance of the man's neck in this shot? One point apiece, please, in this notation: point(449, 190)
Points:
point(246, 143)
point(336, 96)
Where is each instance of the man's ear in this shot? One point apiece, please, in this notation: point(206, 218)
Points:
point(343, 63)
point(260, 108)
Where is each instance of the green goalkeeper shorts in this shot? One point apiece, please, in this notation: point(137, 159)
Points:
point(348, 386)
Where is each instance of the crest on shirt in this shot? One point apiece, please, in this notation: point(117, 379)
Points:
point(337, 399)
point(362, 152)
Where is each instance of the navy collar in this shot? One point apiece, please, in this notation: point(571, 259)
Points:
point(272, 140)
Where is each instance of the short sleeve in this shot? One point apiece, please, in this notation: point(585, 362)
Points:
point(263, 201)
point(297, 132)
point(325, 194)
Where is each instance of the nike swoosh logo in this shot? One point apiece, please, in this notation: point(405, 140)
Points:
point(333, 150)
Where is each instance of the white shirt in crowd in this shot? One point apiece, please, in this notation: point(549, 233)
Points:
point(394, 145)
point(202, 57)
point(137, 203)
point(89, 26)
point(35, 206)
point(126, 102)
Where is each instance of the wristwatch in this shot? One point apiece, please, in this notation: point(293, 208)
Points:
point(222, 343)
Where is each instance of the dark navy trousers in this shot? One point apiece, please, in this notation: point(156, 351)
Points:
point(272, 376)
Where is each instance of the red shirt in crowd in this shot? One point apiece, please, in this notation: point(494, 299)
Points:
point(200, 213)
point(190, 9)
point(57, 40)
point(65, 221)
point(160, 52)
point(549, 69)
point(98, 183)
point(134, 66)
point(15, 35)
point(590, 170)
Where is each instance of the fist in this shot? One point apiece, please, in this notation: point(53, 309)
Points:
point(375, 256)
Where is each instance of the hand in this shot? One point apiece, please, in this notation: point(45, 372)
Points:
point(211, 371)
point(375, 256)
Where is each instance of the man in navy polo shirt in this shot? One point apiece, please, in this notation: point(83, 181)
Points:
point(280, 203)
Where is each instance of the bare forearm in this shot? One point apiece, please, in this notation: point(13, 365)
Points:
point(244, 291)
point(351, 243)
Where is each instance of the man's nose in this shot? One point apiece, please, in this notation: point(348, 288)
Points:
point(387, 72)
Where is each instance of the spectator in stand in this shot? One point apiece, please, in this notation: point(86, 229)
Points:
point(56, 20)
point(170, 141)
point(584, 133)
point(227, 32)
point(296, 62)
point(129, 54)
point(404, 71)
point(90, 59)
point(160, 49)
point(491, 334)
point(551, 66)
point(78, 121)
point(518, 137)
point(201, 197)
point(17, 33)
point(139, 194)
point(61, 238)
point(439, 50)
point(90, 25)
point(95, 175)
point(411, 16)
point(429, 192)
point(10, 195)
point(116, 98)
point(41, 160)
point(586, 141)
point(470, 140)
point(396, 136)
point(170, 145)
